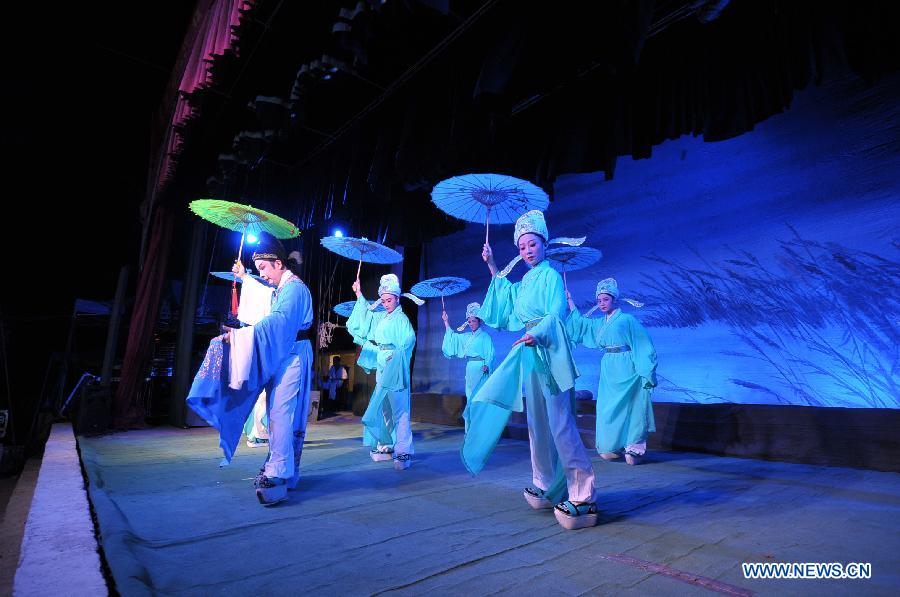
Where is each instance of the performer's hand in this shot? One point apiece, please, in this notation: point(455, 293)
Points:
point(570, 301)
point(488, 256)
point(484, 369)
point(445, 318)
point(355, 288)
point(226, 337)
point(528, 339)
point(238, 269)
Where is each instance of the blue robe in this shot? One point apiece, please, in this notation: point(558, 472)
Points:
point(538, 302)
point(624, 409)
point(274, 341)
point(387, 341)
point(478, 348)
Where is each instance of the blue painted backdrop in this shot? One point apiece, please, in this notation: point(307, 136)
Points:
point(769, 263)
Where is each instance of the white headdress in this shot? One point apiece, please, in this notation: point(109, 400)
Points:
point(390, 284)
point(533, 222)
point(472, 310)
point(611, 287)
point(607, 286)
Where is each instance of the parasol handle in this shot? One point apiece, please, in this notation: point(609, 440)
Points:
point(442, 301)
point(358, 269)
point(565, 282)
point(487, 226)
point(243, 236)
point(234, 297)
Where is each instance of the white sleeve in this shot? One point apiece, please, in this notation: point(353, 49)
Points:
point(256, 301)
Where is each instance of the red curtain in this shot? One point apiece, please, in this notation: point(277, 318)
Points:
point(127, 412)
point(214, 37)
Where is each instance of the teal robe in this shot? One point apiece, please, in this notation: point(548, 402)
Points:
point(387, 341)
point(624, 409)
point(539, 301)
point(471, 346)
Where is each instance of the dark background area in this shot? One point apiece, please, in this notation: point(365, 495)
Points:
point(81, 87)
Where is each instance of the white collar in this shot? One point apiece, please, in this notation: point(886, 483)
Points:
point(285, 277)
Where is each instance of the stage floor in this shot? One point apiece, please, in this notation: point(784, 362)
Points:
point(173, 522)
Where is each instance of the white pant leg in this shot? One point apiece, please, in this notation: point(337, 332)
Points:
point(282, 404)
point(572, 453)
point(540, 440)
point(400, 409)
point(259, 411)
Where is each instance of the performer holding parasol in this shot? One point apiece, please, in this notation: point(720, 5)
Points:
point(627, 373)
point(476, 347)
point(272, 355)
point(387, 339)
point(541, 363)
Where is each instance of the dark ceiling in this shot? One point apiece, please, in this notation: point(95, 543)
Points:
point(375, 102)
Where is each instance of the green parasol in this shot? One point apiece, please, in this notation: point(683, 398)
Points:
point(245, 219)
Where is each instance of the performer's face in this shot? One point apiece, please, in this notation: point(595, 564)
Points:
point(531, 249)
point(473, 322)
point(271, 271)
point(389, 302)
point(606, 303)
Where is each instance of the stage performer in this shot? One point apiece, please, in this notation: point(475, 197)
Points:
point(627, 374)
point(387, 339)
point(476, 347)
point(274, 355)
point(541, 363)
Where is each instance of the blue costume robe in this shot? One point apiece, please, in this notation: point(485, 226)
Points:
point(624, 409)
point(274, 342)
point(387, 341)
point(478, 348)
point(536, 305)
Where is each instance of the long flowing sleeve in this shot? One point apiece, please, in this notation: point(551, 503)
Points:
point(497, 307)
point(256, 301)
point(488, 345)
point(581, 329)
point(451, 346)
point(361, 325)
point(394, 375)
point(361, 321)
point(554, 348)
point(643, 350)
point(550, 286)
